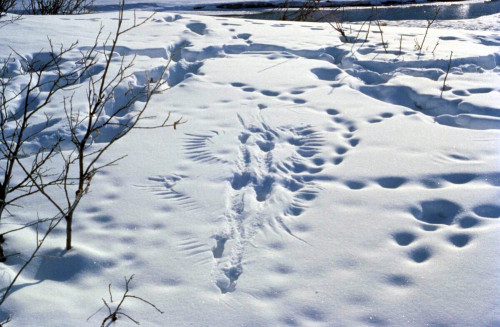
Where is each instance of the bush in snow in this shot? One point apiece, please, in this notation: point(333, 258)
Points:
point(40, 157)
point(57, 7)
point(6, 5)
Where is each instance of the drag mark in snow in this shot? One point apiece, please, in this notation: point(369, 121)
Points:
point(272, 181)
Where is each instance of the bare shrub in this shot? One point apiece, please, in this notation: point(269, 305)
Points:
point(420, 45)
point(96, 128)
point(29, 166)
point(356, 38)
point(57, 7)
point(117, 311)
point(379, 25)
point(338, 25)
point(6, 5)
point(310, 10)
point(27, 86)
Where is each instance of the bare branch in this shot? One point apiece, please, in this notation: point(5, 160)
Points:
point(446, 76)
point(384, 45)
point(113, 314)
point(420, 45)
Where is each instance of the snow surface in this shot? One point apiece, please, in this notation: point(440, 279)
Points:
point(316, 182)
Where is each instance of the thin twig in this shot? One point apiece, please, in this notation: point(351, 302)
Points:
point(431, 21)
point(381, 32)
point(400, 44)
point(446, 76)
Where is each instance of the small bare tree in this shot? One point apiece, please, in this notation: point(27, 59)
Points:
point(25, 93)
point(57, 7)
point(420, 45)
point(6, 5)
point(103, 122)
point(27, 87)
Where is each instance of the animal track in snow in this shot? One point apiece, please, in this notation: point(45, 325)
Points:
point(391, 181)
point(420, 254)
point(165, 186)
point(355, 185)
point(441, 214)
point(468, 222)
point(197, 148)
point(458, 110)
point(169, 18)
point(428, 181)
point(404, 238)
point(197, 27)
point(380, 118)
point(348, 130)
point(194, 249)
point(272, 94)
point(437, 212)
point(459, 240)
point(399, 280)
point(326, 74)
point(275, 165)
point(487, 210)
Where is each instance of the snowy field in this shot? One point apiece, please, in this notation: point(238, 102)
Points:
point(316, 182)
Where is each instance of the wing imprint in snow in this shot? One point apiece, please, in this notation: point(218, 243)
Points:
point(276, 168)
point(165, 187)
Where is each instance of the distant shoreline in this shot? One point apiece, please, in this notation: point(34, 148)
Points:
point(356, 10)
point(448, 10)
point(333, 4)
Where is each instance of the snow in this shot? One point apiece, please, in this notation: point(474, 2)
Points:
point(315, 183)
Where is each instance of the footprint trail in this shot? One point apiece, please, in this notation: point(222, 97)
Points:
point(274, 166)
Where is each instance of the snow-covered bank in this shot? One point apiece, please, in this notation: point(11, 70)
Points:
point(316, 183)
